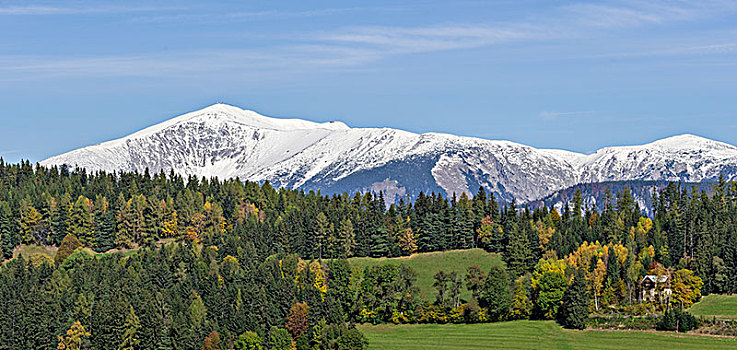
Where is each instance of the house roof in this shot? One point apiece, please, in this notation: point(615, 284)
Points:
point(655, 278)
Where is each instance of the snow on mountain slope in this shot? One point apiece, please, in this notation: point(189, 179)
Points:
point(686, 158)
point(227, 142)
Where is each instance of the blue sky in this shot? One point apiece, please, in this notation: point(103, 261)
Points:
point(553, 74)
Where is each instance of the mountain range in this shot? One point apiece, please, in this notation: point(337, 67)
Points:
point(226, 142)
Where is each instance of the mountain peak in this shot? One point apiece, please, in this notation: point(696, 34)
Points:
point(690, 141)
point(222, 113)
point(221, 107)
point(227, 141)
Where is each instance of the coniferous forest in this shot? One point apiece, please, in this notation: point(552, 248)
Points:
point(158, 261)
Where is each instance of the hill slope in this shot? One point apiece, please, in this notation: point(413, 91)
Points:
point(428, 264)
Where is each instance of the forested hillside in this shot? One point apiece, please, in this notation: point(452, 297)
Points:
point(246, 263)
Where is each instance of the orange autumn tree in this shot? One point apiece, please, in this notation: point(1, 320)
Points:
point(74, 339)
point(297, 321)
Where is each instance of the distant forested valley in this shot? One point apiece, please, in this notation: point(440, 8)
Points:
point(158, 261)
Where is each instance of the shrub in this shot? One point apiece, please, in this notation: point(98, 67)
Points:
point(76, 259)
point(618, 322)
point(248, 341)
point(343, 337)
point(675, 319)
point(279, 339)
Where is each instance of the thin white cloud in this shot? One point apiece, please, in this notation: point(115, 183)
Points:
point(203, 16)
point(359, 46)
point(564, 23)
point(625, 14)
point(431, 38)
point(42, 10)
point(670, 49)
point(548, 115)
point(187, 64)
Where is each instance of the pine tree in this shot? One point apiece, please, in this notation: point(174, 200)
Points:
point(60, 218)
point(495, 294)
point(576, 303)
point(347, 237)
point(125, 235)
point(612, 267)
point(321, 232)
point(8, 231)
point(130, 331)
point(80, 221)
point(151, 222)
point(465, 219)
point(380, 240)
point(517, 253)
point(104, 230)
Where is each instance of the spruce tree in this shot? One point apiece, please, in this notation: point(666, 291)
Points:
point(495, 294)
point(8, 231)
point(81, 225)
point(576, 303)
point(105, 231)
point(320, 232)
point(517, 252)
point(130, 331)
point(612, 267)
point(60, 218)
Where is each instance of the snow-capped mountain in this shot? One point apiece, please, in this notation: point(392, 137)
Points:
point(227, 142)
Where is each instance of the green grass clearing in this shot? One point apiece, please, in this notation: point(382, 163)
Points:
point(529, 335)
point(29, 250)
point(715, 305)
point(427, 264)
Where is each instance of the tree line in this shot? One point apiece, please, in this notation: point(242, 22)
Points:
point(213, 249)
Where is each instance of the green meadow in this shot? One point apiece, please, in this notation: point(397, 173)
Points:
point(529, 335)
point(428, 264)
point(715, 305)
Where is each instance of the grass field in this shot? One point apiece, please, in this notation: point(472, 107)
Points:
point(529, 335)
point(714, 305)
point(29, 250)
point(427, 264)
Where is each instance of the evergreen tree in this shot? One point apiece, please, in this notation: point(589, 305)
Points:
point(104, 230)
point(347, 237)
point(495, 294)
point(576, 303)
point(9, 237)
point(517, 253)
point(80, 221)
point(130, 331)
point(321, 232)
point(60, 217)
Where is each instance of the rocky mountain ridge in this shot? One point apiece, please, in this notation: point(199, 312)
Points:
point(225, 141)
